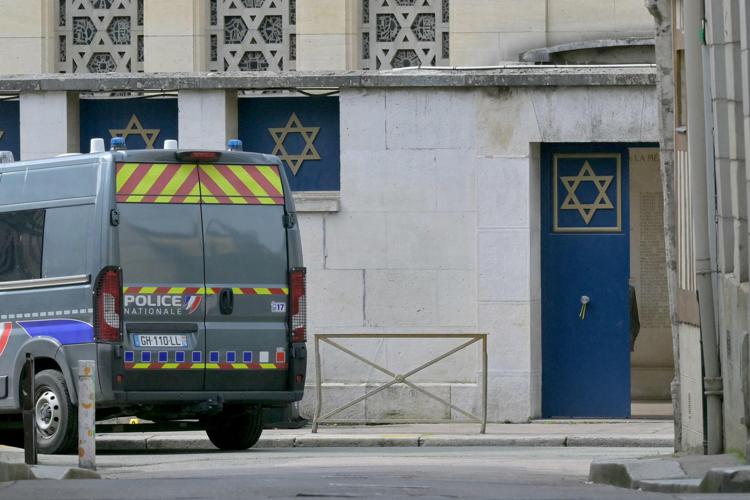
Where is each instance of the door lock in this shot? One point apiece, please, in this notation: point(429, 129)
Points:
point(584, 303)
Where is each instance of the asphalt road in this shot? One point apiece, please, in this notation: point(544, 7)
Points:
point(478, 472)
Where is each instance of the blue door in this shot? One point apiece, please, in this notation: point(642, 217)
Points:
point(585, 270)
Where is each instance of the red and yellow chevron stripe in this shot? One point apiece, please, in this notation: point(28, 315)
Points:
point(260, 291)
point(208, 184)
point(165, 290)
point(241, 185)
point(157, 183)
point(206, 366)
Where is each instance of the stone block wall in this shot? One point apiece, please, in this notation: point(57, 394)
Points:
point(727, 46)
point(438, 231)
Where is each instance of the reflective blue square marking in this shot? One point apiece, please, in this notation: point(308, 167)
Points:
point(163, 356)
point(231, 356)
point(213, 357)
point(179, 357)
point(196, 356)
point(145, 356)
point(247, 357)
point(129, 356)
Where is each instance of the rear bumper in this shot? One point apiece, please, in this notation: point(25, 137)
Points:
point(151, 397)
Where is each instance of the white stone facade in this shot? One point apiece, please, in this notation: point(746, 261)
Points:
point(438, 231)
point(219, 35)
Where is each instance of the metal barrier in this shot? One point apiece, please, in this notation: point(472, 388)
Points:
point(399, 379)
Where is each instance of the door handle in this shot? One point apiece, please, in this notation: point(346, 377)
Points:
point(226, 301)
point(584, 303)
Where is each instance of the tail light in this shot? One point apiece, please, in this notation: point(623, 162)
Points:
point(298, 304)
point(108, 305)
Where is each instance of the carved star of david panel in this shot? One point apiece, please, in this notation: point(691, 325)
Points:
point(99, 36)
point(295, 159)
point(595, 188)
point(399, 33)
point(252, 35)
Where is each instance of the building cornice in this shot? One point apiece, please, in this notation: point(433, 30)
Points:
point(505, 76)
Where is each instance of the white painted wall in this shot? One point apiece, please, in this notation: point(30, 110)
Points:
point(438, 231)
point(49, 124)
point(206, 118)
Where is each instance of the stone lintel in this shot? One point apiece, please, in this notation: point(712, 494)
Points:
point(513, 76)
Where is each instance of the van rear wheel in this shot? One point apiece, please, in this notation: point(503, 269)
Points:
point(233, 430)
point(56, 418)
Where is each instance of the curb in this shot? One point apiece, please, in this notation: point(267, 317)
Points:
point(628, 473)
point(15, 472)
point(118, 442)
point(492, 440)
point(23, 472)
point(356, 441)
point(620, 441)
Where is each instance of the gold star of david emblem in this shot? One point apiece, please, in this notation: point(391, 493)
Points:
point(134, 127)
point(294, 126)
point(601, 182)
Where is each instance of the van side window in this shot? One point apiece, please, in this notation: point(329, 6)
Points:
point(21, 235)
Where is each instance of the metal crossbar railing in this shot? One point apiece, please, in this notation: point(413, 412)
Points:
point(400, 378)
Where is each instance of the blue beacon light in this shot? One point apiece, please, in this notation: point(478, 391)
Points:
point(117, 144)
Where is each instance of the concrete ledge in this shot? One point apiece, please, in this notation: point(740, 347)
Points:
point(317, 201)
point(626, 473)
point(276, 442)
point(305, 439)
point(505, 76)
point(23, 472)
point(116, 442)
point(670, 485)
point(76, 473)
point(727, 480)
point(61, 472)
point(15, 472)
point(179, 443)
point(490, 440)
point(629, 441)
point(355, 440)
point(687, 474)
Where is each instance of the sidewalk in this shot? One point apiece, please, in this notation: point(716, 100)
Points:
point(619, 433)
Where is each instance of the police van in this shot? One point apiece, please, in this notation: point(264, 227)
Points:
point(179, 272)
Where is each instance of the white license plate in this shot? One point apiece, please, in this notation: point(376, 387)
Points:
point(160, 340)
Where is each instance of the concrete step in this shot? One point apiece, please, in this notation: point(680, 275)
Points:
point(675, 474)
point(23, 472)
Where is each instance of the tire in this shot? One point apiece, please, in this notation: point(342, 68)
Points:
point(56, 417)
point(235, 430)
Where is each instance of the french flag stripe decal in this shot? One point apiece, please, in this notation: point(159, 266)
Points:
point(5, 329)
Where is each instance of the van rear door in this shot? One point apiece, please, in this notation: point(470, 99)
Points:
point(247, 272)
point(161, 251)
